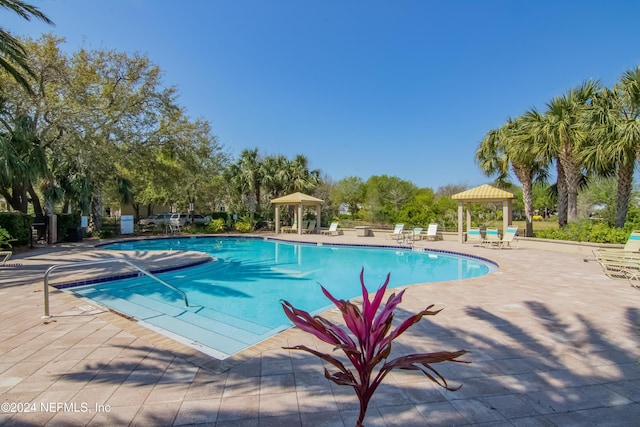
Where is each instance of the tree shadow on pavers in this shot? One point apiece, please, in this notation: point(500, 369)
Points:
point(530, 371)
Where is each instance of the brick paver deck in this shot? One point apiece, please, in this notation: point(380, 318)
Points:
point(553, 342)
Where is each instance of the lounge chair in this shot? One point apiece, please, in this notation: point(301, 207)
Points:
point(474, 236)
point(310, 228)
point(290, 228)
point(398, 232)
point(432, 232)
point(620, 265)
point(491, 237)
point(7, 255)
point(416, 233)
point(509, 237)
point(333, 229)
point(632, 245)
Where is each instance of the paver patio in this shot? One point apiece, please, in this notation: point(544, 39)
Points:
point(553, 341)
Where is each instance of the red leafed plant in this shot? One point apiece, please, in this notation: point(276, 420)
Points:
point(372, 343)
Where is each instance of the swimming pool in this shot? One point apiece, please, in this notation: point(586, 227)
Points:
point(235, 299)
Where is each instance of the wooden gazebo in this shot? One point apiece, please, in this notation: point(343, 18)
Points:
point(482, 194)
point(299, 200)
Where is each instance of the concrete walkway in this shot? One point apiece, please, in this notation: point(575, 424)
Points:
point(553, 342)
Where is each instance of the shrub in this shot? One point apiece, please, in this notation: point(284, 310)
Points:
point(216, 225)
point(244, 226)
point(586, 231)
point(372, 343)
point(5, 239)
point(18, 225)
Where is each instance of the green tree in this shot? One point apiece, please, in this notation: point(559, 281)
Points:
point(615, 119)
point(561, 134)
point(349, 191)
point(512, 147)
point(421, 210)
point(385, 196)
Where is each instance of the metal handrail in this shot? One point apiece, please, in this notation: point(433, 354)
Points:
point(104, 261)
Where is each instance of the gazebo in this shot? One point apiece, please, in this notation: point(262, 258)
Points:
point(482, 194)
point(299, 200)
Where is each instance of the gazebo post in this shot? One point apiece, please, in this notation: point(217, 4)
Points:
point(277, 219)
point(318, 210)
point(300, 218)
point(506, 215)
point(460, 222)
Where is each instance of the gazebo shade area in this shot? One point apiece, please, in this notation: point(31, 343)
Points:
point(299, 200)
point(482, 194)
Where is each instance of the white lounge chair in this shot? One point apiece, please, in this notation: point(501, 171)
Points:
point(474, 236)
point(509, 237)
point(416, 233)
point(7, 255)
point(432, 232)
point(333, 229)
point(491, 237)
point(398, 232)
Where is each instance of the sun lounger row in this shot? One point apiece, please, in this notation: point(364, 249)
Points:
point(399, 233)
point(492, 237)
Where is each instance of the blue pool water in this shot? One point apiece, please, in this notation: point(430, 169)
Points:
point(235, 299)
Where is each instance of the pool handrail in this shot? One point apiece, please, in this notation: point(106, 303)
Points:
point(103, 261)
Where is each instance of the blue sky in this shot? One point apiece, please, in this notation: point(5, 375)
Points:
point(404, 88)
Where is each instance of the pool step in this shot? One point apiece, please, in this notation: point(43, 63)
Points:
point(223, 333)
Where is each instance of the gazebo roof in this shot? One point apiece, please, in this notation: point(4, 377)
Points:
point(297, 198)
point(483, 193)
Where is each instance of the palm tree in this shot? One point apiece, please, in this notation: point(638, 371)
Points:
point(22, 164)
point(615, 119)
point(560, 134)
point(511, 146)
point(301, 178)
point(13, 56)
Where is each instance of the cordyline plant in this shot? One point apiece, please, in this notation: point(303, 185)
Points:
point(372, 343)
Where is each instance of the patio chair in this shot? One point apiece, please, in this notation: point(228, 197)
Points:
point(491, 237)
point(290, 228)
point(398, 232)
point(509, 237)
point(432, 232)
point(620, 265)
point(416, 233)
point(310, 228)
point(474, 236)
point(7, 255)
point(333, 229)
point(632, 245)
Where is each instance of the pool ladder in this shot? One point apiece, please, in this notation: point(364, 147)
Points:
point(104, 261)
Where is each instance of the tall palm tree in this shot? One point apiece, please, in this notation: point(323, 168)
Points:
point(13, 57)
point(560, 133)
point(615, 120)
point(511, 146)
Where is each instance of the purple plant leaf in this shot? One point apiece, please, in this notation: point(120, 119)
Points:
point(393, 302)
point(341, 378)
point(408, 322)
point(335, 362)
point(307, 323)
point(377, 300)
point(422, 362)
point(339, 332)
point(338, 302)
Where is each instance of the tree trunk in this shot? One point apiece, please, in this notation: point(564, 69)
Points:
point(625, 182)
point(97, 207)
point(572, 179)
point(561, 185)
point(525, 176)
point(35, 201)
